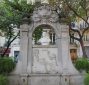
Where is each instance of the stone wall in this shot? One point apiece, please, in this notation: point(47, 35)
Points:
point(46, 79)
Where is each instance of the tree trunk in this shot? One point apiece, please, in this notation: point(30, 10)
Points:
point(83, 48)
point(5, 51)
point(9, 43)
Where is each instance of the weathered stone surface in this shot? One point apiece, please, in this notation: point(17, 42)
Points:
point(45, 65)
point(77, 80)
point(45, 60)
point(44, 14)
point(14, 80)
point(44, 80)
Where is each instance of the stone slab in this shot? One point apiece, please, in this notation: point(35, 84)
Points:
point(44, 80)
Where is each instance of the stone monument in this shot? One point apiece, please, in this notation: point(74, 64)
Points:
point(45, 64)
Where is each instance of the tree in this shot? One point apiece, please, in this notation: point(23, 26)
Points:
point(68, 10)
point(79, 8)
point(12, 14)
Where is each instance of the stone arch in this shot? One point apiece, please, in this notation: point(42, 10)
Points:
point(55, 46)
point(55, 29)
point(64, 61)
point(52, 31)
point(45, 15)
point(62, 37)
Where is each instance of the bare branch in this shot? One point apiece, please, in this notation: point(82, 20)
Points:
point(77, 31)
point(70, 7)
point(73, 37)
point(9, 43)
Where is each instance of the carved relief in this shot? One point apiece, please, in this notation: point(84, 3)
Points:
point(45, 60)
point(44, 13)
point(53, 17)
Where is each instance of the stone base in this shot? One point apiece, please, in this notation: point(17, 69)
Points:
point(46, 79)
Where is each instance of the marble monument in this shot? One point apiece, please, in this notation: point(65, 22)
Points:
point(45, 64)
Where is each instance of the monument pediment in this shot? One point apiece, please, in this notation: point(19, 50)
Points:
point(44, 13)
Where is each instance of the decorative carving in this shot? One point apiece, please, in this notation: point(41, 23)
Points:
point(53, 17)
point(36, 17)
point(44, 13)
point(45, 60)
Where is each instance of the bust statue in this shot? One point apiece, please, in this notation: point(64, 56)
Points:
point(45, 39)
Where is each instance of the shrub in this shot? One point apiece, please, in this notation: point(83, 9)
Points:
point(82, 64)
point(6, 65)
point(86, 79)
point(3, 80)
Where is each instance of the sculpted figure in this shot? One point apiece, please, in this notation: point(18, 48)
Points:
point(45, 39)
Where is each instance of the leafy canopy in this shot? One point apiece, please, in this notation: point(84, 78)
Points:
point(12, 13)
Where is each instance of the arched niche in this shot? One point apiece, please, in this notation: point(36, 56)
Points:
point(45, 56)
point(57, 29)
point(42, 33)
point(64, 62)
point(45, 16)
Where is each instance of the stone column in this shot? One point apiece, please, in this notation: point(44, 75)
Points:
point(65, 50)
point(68, 67)
point(30, 56)
point(59, 46)
point(24, 47)
point(59, 57)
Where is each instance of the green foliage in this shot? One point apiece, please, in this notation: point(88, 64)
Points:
point(7, 18)
point(13, 12)
point(37, 33)
point(6, 65)
point(3, 80)
point(79, 6)
point(21, 7)
point(52, 2)
point(82, 64)
point(86, 79)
